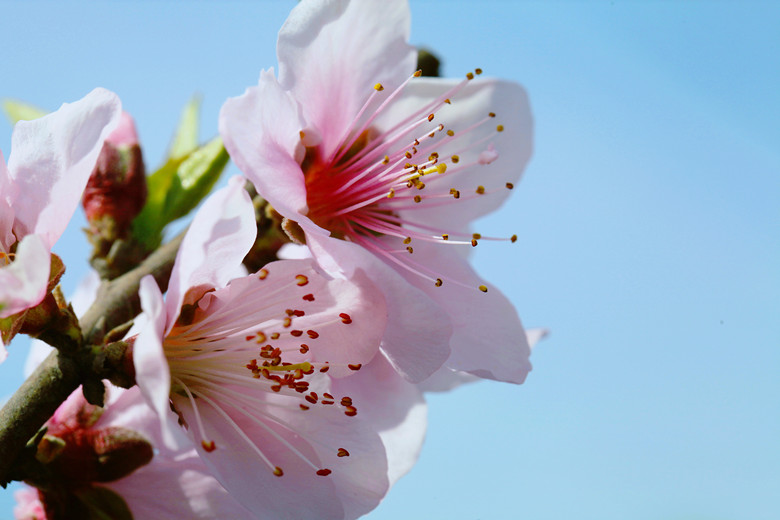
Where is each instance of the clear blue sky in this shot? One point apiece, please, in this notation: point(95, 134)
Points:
point(648, 223)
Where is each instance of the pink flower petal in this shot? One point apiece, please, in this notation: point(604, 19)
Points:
point(151, 368)
point(488, 338)
point(7, 195)
point(52, 158)
point(261, 130)
point(220, 236)
point(418, 332)
point(332, 53)
point(24, 281)
point(355, 485)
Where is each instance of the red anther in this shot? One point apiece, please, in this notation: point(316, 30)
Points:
point(355, 366)
point(350, 411)
point(298, 313)
point(296, 333)
point(327, 402)
point(303, 407)
point(275, 335)
point(276, 388)
point(346, 401)
point(208, 446)
point(278, 471)
point(263, 274)
point(249, 338)
point(325, 368)
point(313, 334)
point(345, 318)
point(304, 348)
point(326, 395)
point(324, 472)
point(343, 453)
point(301, 280)
point(286, 322)
point(308, 297)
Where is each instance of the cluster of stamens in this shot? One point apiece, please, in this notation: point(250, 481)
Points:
point(370, 186)
point(208, 351)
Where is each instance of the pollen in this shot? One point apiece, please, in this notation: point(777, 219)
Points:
point(301, 280)
point(345, 318)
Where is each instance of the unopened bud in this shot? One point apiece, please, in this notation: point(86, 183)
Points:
point(116, 191)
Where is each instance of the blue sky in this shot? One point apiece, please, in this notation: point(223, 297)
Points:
point(648, 236)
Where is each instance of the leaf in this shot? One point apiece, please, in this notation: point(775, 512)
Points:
point(16, 111)
point(185, 141)
point(103, 504)
point(177, 188)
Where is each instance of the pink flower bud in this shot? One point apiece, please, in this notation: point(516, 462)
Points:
point(116, 191)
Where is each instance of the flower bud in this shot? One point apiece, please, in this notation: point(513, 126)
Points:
point(116, 191)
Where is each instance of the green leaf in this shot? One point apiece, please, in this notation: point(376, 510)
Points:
point(177, 188)
point(16, 111)
point(185, 141)
point(103, 504)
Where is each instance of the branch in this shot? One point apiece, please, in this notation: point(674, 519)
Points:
point(59, 375)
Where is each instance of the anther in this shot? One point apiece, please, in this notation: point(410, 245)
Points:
point(417, 198)
point(445, 236)
point(480, 190)
point(476, 236)
point(509, 185)
point(417, 73)
point(483, 288)
point(455, 193)
point(448, 101)
point(441, 167)
point(478, 71)
point(470, 75)
point(208, 446)
point(473, 242)
point(378, 87)
point(450, 133)
point(262, 274)
point(278, 471)
point(410, 249)
point(438, 282)
point(492, 114)
point(343, 453)
point(407, 240)
point(500, 128)
point(455, 159)
point(324, 472)
point(345, 318)
point(355, 366)
point(430, 117)
point(301, 280)
point(308, 297)
point(513, 238)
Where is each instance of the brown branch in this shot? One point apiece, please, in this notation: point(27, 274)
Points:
point(59, 375)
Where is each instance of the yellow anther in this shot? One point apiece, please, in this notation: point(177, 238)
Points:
point(455, 159)
point(483, 288)
point(438, 282)
point(500, 128)
point(417, 198)
point(478, 71)
point(476, 236)
point(448, 101)
point(430, 117)
point(445, 236)
point(391, 194)
point(480, 190)
point(441, 167)
point(378, 87)
point(470, 75)
point(386, 160)
point(450, 133)
point(417, 73)
point(410, 249)
point(407, 240)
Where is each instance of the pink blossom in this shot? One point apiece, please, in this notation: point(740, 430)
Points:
point(51, 159)
point(384, 171)
point(266, 371)
point(175, 484)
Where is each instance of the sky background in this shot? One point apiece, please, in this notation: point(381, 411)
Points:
point(648, 223)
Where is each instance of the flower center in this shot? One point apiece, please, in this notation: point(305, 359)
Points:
point(383, 183)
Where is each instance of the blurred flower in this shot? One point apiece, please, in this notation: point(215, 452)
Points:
point(253, 366)
point(379, 169)
point(51, 159)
